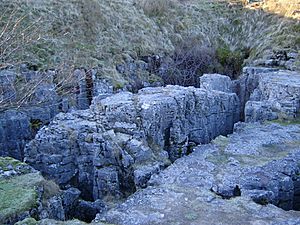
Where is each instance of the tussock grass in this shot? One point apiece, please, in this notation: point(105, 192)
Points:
point(100, 33)
point(156, 7)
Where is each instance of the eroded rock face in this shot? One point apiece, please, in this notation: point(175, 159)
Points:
point(247, 83)
point(215, 184)
point(30, 99)
point(114, 147)
point(265, 93)
point(277, 96)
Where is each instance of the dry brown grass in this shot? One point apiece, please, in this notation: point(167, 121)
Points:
point(287, 8)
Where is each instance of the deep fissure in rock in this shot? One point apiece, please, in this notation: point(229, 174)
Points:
point(89, 86)
point(296, 199)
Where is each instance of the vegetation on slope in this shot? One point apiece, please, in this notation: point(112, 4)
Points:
point(102, 34)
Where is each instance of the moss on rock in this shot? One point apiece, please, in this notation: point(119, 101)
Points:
point(7, 163)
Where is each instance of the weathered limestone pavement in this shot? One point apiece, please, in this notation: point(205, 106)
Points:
point(215, 184)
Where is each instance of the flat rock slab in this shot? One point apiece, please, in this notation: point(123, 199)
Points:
point(219, 183)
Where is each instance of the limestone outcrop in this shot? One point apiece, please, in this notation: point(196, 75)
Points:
point(123, 142)
point(215, 184)
point(273, 94)
point(30, 99)
point(114, 147)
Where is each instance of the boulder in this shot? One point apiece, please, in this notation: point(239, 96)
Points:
point(216, 82)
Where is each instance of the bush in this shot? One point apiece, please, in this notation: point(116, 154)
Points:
point(192, 60)
point(231, 61)
point(188, 64)
point(16, 34)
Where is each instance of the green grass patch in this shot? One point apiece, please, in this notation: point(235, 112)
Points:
point(18, 194)
point(27, 221)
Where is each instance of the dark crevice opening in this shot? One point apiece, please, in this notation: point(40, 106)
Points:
point(89, 86)
point(227, 194)
point(296, 199)
point(287, 200)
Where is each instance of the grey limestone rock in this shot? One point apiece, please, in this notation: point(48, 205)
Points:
point(247, 84)
point(219, 183)
point(268, 94)
point(114, 147)
point(70, 200)
point(277, 96)
point(216, 82)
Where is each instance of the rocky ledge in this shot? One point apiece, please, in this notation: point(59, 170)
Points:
point(26, 196)
point(219, 183)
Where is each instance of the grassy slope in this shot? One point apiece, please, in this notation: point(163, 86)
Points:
point(104, 33)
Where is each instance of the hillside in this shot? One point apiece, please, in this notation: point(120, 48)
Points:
point(103, 34)
point(149, 112)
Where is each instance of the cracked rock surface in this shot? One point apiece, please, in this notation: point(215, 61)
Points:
point(219, 183)
point(114, 147)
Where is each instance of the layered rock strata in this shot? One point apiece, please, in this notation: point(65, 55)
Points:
point(264, 93)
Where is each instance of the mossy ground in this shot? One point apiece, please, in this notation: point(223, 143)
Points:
point(27, 221)
point(18, 194)
point(7, 162)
